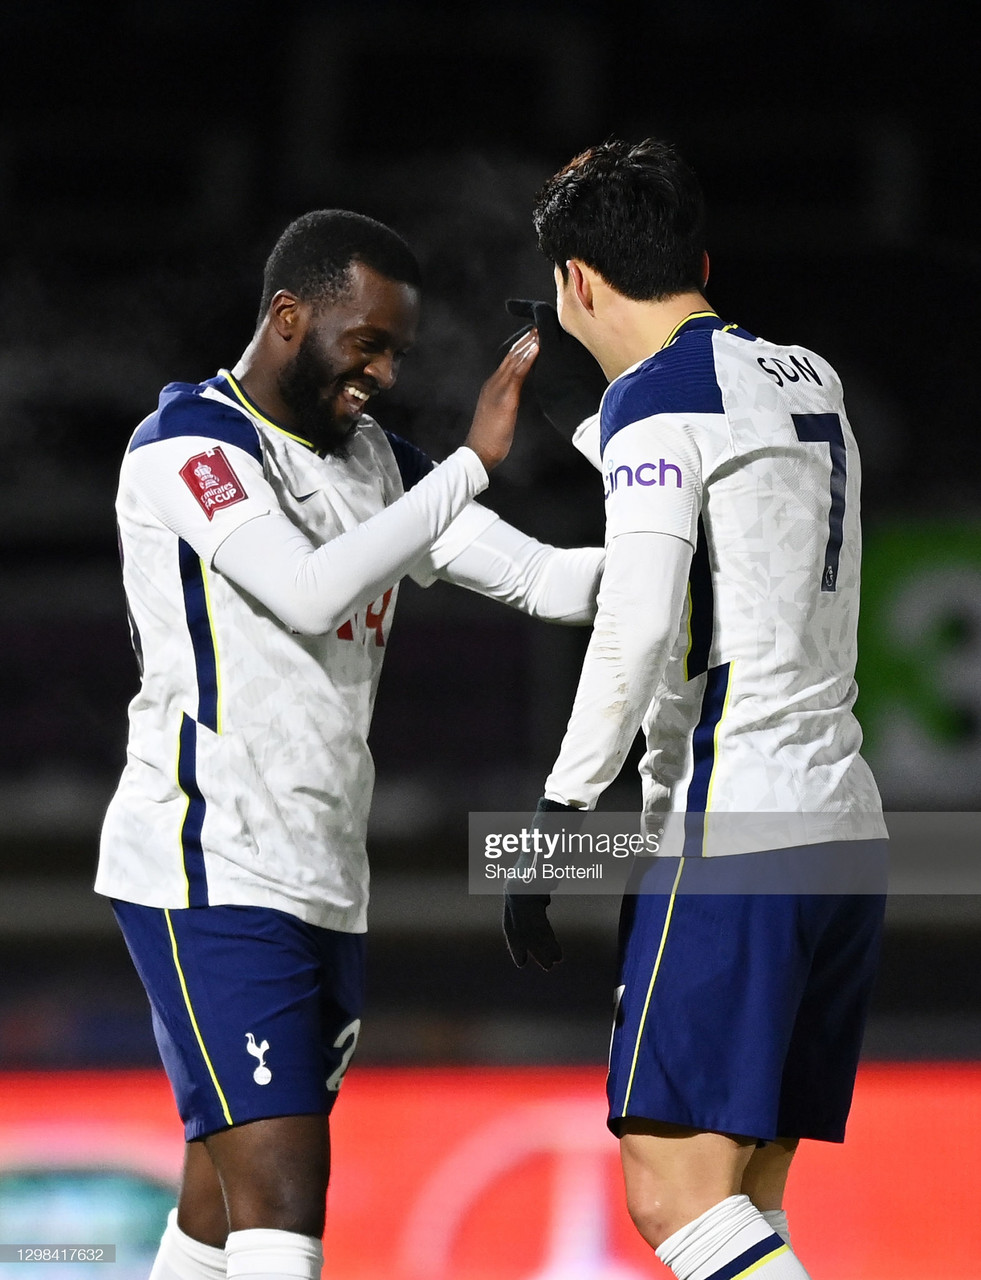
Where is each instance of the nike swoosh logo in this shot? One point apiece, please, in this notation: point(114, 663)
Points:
point(307, 496)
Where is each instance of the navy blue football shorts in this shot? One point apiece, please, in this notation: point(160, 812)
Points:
point(256, 1013)
point(743, 1013)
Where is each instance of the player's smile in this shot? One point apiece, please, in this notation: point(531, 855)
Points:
point(352, 398)
point(347, 353)
point(345, 348)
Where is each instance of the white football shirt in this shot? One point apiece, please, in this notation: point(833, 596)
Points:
point(742, 448)
point(248, 776)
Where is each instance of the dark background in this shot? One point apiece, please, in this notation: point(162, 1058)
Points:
point(149, 156)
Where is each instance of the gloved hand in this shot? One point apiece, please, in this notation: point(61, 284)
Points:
point(565, 380)
point(526, 928)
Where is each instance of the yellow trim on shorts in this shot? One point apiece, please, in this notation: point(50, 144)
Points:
point(194, 1022)
point(247, 403)
point(761, 1262)
point(650, 988)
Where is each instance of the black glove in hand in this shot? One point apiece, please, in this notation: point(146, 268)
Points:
point(526, 928)
point(565, 380)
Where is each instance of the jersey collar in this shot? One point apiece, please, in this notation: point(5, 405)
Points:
point(696, 320)
point(256, 412)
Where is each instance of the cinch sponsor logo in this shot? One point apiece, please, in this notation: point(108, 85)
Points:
point(645, 473)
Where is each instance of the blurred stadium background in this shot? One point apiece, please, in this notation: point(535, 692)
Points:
point(149, 155)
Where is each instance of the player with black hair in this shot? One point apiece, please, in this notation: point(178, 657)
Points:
point(312, 256)
point(726, 630)
point(265, 521)
point(636, 214)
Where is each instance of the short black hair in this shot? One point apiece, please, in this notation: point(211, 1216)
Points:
point(313, 255)
point(634, 212)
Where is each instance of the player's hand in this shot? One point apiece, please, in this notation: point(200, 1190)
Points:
point(527, 930)
point(567, 382)
point(492, 430)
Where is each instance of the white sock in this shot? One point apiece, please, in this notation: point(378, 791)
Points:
point(726, 1241)
point(181, 1258)
point(777, 1220)
point(264, 1254)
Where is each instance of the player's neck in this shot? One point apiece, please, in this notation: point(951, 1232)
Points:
point(637, 330)
point(260, 382)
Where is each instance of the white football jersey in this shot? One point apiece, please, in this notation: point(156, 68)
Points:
point(248, 776)
point(743, 448)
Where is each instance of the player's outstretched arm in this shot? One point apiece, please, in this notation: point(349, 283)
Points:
point(483, 553)
point(313, 589)
point(556, 584)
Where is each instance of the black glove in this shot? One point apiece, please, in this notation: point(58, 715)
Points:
point(565, 380)
point(526, 928)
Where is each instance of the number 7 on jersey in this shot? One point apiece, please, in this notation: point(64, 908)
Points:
point(825, 428)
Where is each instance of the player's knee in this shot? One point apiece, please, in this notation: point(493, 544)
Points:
point(300, 1210)
point(274, 1173)
point(650, 1211)
point(278, 1198)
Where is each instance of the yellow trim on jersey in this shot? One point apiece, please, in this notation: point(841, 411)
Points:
point(715, 742)
point(194, 1022)
point(650, 988)
point(247, 403)
point(693, 315)
point(214, 645)
point(761, 1262)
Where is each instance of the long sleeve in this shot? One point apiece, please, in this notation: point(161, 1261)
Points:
point(313, 589)
point(639, 612)
point(556, 584)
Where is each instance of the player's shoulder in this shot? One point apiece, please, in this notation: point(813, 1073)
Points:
point(197, 409)
point(413, 463)
point(681, 378)
point(784, 365)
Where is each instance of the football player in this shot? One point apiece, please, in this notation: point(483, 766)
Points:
point(265, 521)
point(726, 630)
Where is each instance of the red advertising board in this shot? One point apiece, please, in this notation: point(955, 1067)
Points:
point(511, 1174)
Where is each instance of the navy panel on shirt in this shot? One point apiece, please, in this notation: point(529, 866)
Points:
point(413, 464)
point(701, 621)
point(183, 411)
point(680, 378)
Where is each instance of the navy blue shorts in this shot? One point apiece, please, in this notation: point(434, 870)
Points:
point(256, 1013)
point(743, 1013)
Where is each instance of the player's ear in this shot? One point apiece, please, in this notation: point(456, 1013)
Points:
point(705, 269)
point(285, 314)
point(582, 284)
